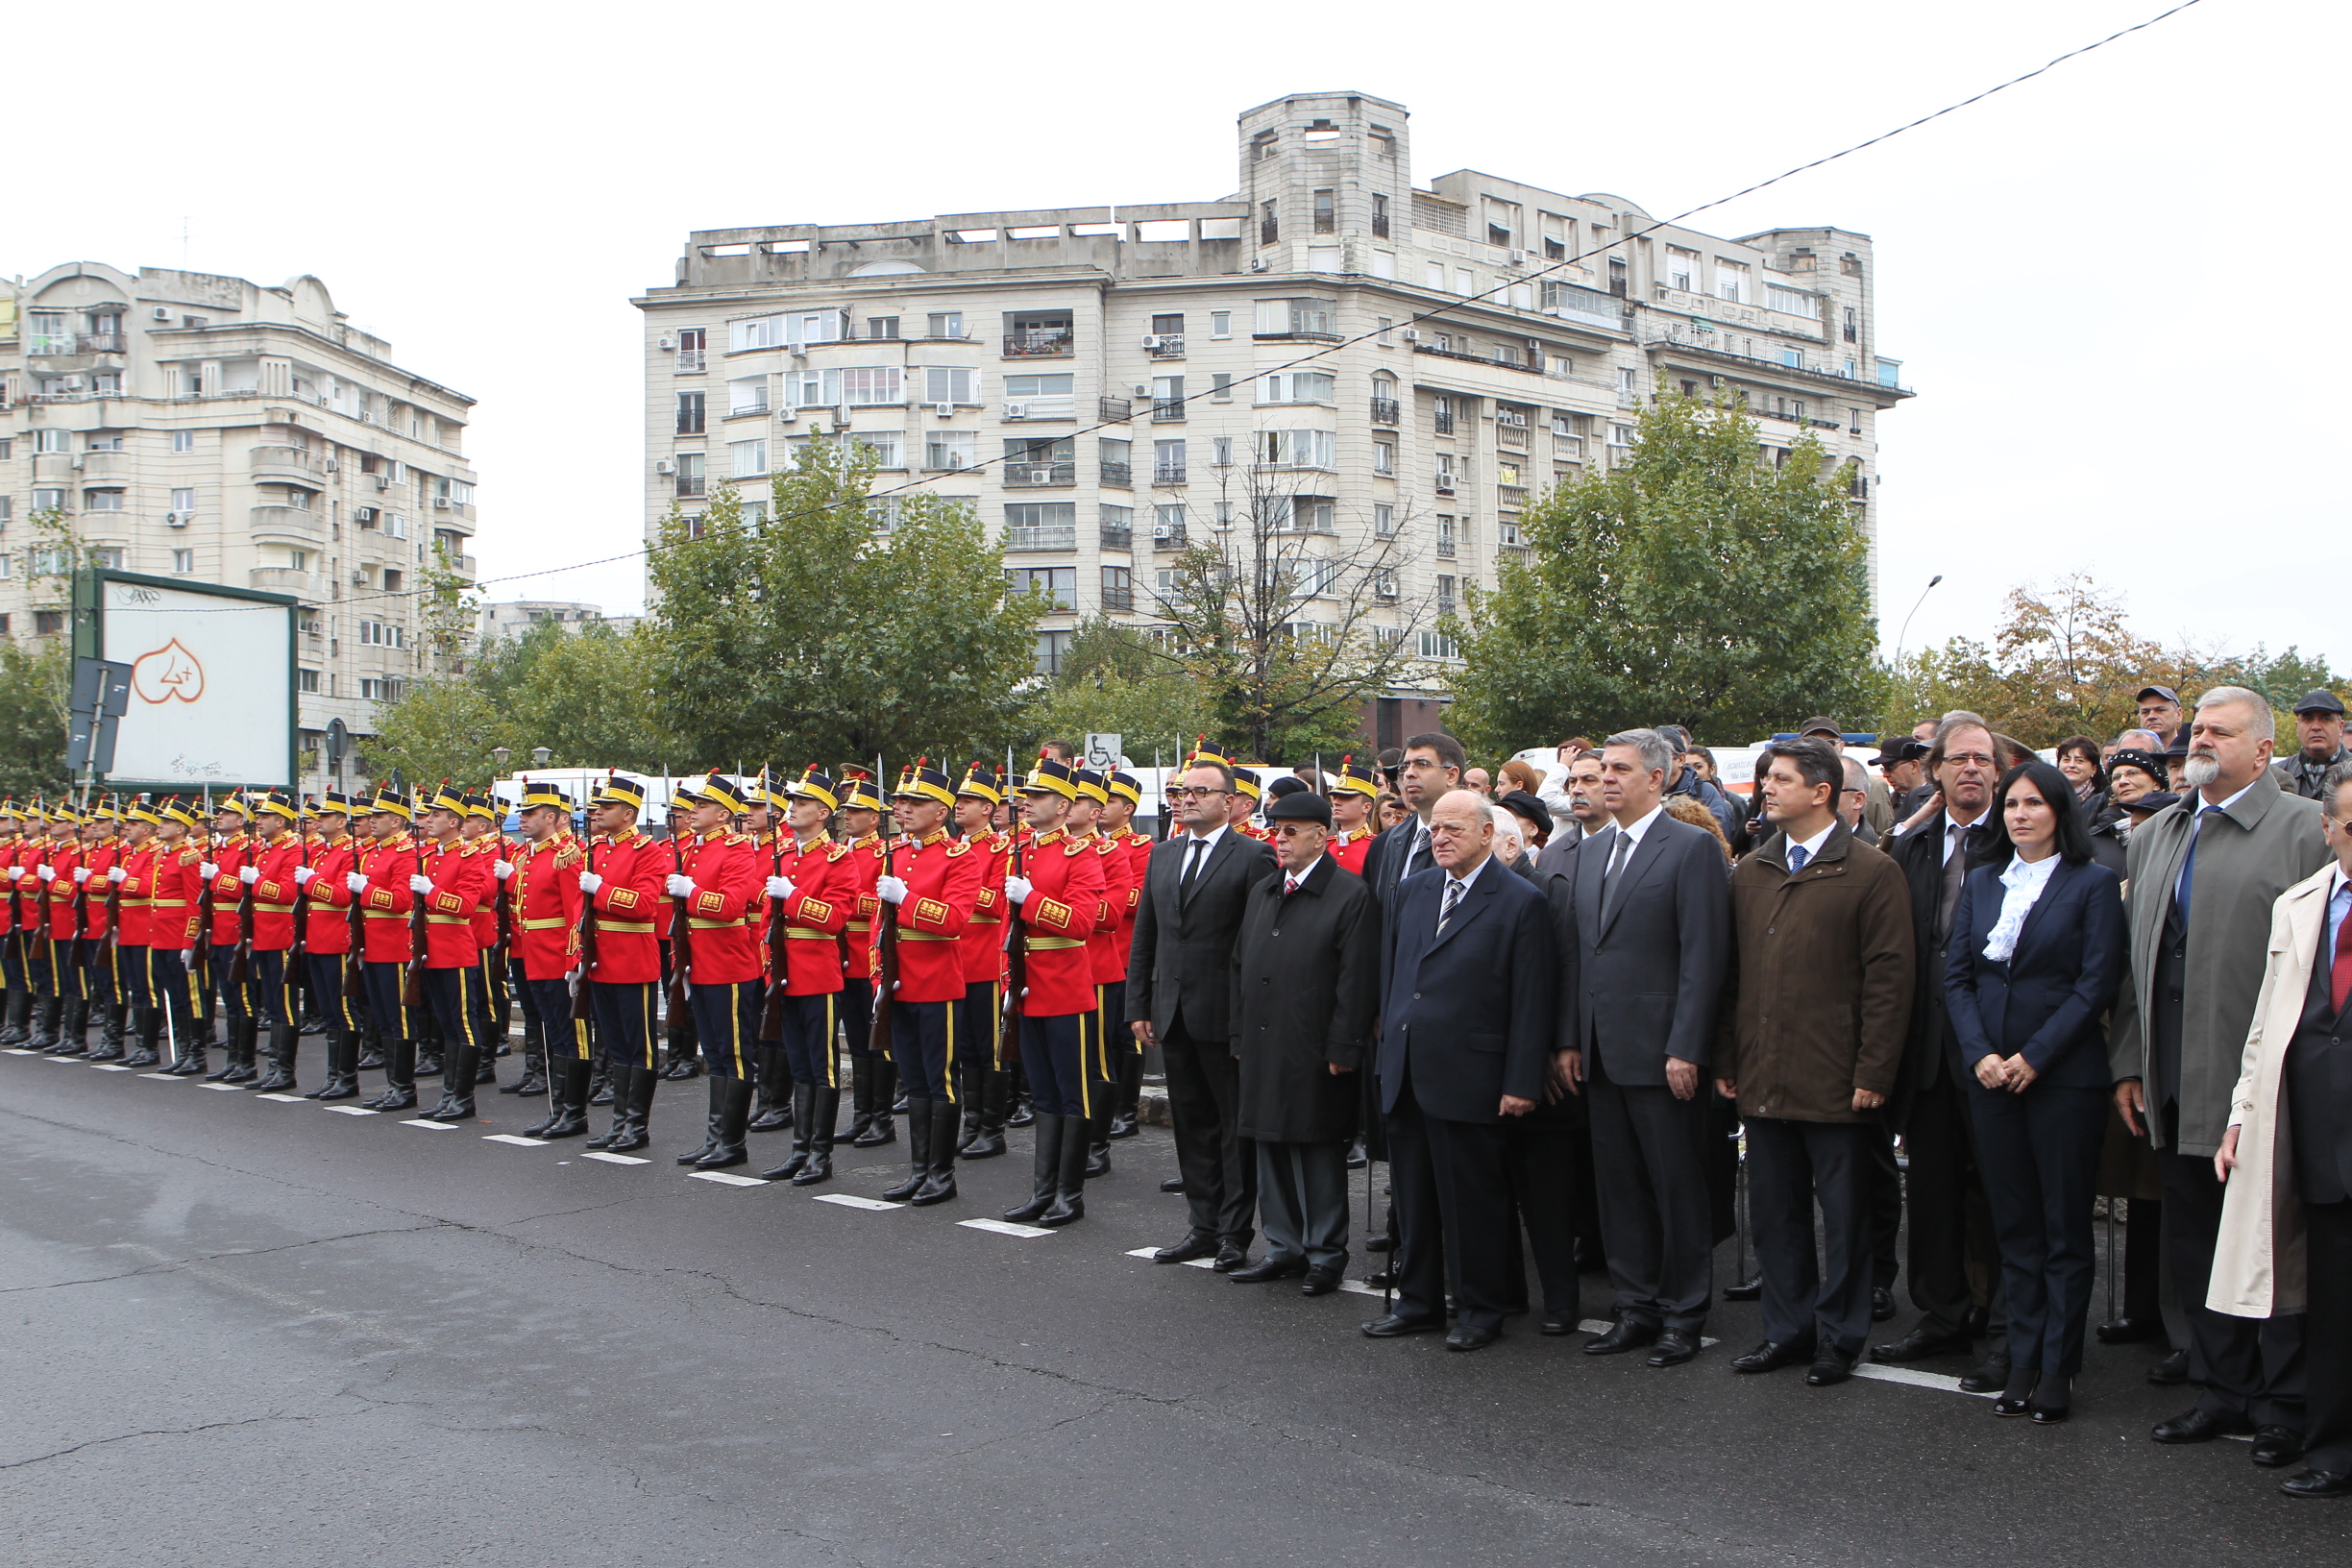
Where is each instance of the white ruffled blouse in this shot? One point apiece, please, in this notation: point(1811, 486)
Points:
point(2022, 883)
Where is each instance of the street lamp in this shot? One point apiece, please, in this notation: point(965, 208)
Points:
point(498, 755)
point(1915, 607)
point(540, 755)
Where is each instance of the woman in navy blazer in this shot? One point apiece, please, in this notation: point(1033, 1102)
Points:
point(2039, 951)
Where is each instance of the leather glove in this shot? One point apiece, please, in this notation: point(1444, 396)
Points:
point(1017, 889)
point(420, 884)
point(249, 874)
point(116, 873)
point(502, 869)
point(356, 882)
point(680, 885)
point(303, 876)
point(779, 887)
point(892, 888)
point(80, 873)
point(590, 882)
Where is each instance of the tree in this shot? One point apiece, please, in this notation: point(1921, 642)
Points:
point(1287, 629)
point(443, 728)
point(585, 695)
point(1694, 584)
point(835, 627)
point(32, 692)
point(1113, 681)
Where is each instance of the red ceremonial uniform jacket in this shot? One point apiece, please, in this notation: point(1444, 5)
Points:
point(729, 875)
point(1251, 831)
point(499, 847)
point(942, 878)
point(1066, 901)
point(388, 863)
point(984, 938)
point(544, 907)
point(134, 908)
point(461, 879)
point(327, 928)
point(173, 916)
point(825, 887)
point(859, 938)
point(65, 919)
point(32, 899)
point(100, 857)
point(633, 866)
point(1137, 848)
point(1109, 958)
point(1351, 849)
point(275, 891)
point(227, 887)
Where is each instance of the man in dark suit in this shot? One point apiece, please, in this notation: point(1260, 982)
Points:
point(1585, 816)
point(1468, 986)
point(1651, 948)
point(1951, 1228)
point(1433, 764)
point(1179, 974)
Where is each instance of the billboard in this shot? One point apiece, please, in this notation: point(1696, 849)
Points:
point(212, 695)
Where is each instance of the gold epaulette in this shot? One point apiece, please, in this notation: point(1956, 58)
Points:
point(834, 852)
point(961, 846)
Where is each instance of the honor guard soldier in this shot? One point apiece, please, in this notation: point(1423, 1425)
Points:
point(1104, 961)
point(622, 882)
point(1126, 1053)
point(14, 1022)
point(328, 953)
point(774, 1102)
point(231, 847)
point(542, 895)
point(932, 885)
point(986, 1088)
point(1352, 830)
point(277, 852)
point(873, 1075)
point(379, 883)
point(717, 878)
point(32, 924)
point(452, 879)
point(677, 1025)
point(65, 1013)
point(133, 879)
point(1248, 791)
point(812, 891)
point(100, 976)
point(480, 829)
point(1057, 892)
point(174, 927)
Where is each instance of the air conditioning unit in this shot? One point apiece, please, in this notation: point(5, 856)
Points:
point(359, 579)
point(1151, 342)
point(1388, 590)
point(1017, 410)
point(383, 482)
point(1142, 389)
point(333, 467)
point(945, 410)
point(364, 516)
point(160, 313)
point(665, 466)
point(666, 343)
point(1040, 475)
point(441, 503)
point(76, 463)
point(176, 520)
point(797, 349)
point(1163, 530)
point(1518, 259)
point(787, 415)
point(1258, 263)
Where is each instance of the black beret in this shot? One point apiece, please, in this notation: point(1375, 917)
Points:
point(1301, 806)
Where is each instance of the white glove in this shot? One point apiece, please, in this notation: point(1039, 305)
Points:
point(208, 869)
point(354, 881)
point(116, 873)
point(892, 888)
point(80, 873)
point(502, 869)
point(779, 887)
point(249, 874)
point(590, 882)
point(420, 884)
point(16, 871)
point(303, 876)
point(680, 885)
point(48, 873)
point(1016, 889)
point(572, 976)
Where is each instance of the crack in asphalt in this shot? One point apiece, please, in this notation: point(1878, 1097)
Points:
point(169, 1265)
point(162, 1431)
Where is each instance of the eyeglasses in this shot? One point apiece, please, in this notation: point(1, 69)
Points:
point(1969, 759)
point(1196, 791)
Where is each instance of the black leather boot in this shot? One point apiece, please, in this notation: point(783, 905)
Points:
point(371, 1046)
point(861, 1098)
point(1044, 1172)
point(919, 1149)
point(779, 1097)
point(995, 1093)
point(144, 1028)
point(1126, 1110)
point(279, 1077)
point(399, 1077)
point(46, 1015)
point(615, 1077)
point(734, 1096)
point(710, 1127)
point(824, 1108)
point(601, 1080)
point(638, 1104)
point(535, 1076)
point(1070, 1196)
point(568, 1086)
point(109, 1034)
point(189, 1058)
point(233, 1054)
point(969, 1094)
point(458, 1077)
point(1024, 1105)
point(485, 1068)
point(19, 1016)
point(73, 1032)
point(804, 1115)
point(940, 1184)
point(879, 1128)
point(342, 1064)
point(1098, 1137)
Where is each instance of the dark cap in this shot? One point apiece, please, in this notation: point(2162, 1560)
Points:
point(1289, 784)
point(1675, 736)
point(2148, 804)
point(1299, 806)
point(1898, 748)
point(2320, 702)
point(2147, 762)
point(2166, 691)
point(1821, 724)
point(1528, 809)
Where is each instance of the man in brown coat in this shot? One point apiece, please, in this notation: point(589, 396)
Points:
point(1821, 997)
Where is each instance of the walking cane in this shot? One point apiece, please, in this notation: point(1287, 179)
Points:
point(2111, 1305)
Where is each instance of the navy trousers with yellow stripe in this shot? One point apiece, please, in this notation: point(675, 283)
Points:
point(563, 1037)
point(329, 978)
point(1055, 1053)
point(923, 1044)
point(809, 1023)
point(626, 1022)
point(180, 994)
point(459, 1000)
point(726, 1022)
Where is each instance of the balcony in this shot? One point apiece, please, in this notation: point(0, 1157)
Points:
point(1116, 536)
point(1168, 474)
point(1511, 496)
point(1442, 422)
point(1117, 410)
point(292, 524)
point(1042, 536)
point(1119, 476)
point(1169, 346)
point(1167, 411)
point(277, 462)
point(1445, 547)
point(689, 362)
point(1042, 344)
point(100, 343)
point(1169, 537)
point(744, 410)
point(1383, 411)
point(284, 579)
point(1268, 231)
point(1513, 437)
point(1568, 449)
point(105, 465)
point(1022, 474)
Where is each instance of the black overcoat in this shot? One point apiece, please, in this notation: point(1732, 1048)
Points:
point(1306, 977)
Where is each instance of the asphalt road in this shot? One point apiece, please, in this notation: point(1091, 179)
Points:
point(242, 1331)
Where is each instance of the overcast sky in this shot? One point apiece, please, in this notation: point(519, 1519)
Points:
point(2096, 280)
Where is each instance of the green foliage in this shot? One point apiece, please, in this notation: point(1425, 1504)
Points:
point(1113, 681)
point(441, 729)
point(33, 685)
point(816, 635)
point(1696, 585)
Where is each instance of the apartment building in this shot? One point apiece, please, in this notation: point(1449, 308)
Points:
point(1406, 361)
point(515, 617)
point(189, 425)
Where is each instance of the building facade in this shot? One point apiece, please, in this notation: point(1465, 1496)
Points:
point(512, 618)
point(1105, 384)
point(189, 425)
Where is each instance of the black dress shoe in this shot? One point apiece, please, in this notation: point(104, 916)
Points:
point(1831, 1367)
point(1919, 1344)
point(2049, 1415)
point(1747, 1290)
point(2277, 1447)
point(1356, 1159)
point(2129, 1331)
point(2319, 1483)
point(1230, 1257)
point(1380, 1244)
point(1627, 1333)
point(1383, 1279)
point(1462, 1336)
point(1990, 1375)
point(2170, 1372)
point(1556, 1325)
point(1882, 1304)
point(1196, 1245)
point(2199, 1425)
point(1673, 1347)
point(1174, 1184)
point(1268, 1268)
point(1773, 1354)
point(1395, 1325)
point(1321, 1281)
point(2007, 1405)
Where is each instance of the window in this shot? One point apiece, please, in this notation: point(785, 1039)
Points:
point(944, 324)
point(1433, 274)
point(881, 327)
point(746, 458)
point(1626, 379)
point(1384, 326)
point(1444, 462)
point(1269, 230)
point(871, 386)
point(748, 395)
point(1036, 332)
point(1058, 581)
point(395, 527)
point(102, 501)
point(950, 383)
point(1852, 329)
point(1221, 324)
point(1621, 435)
point(1167, 462)
point(1168, 398)
point(760, 333)
point(383, 634)
point(1383, 519)
point(1464, 282)
point(309, 681)
point(947, 449)
point(380, 688)
point(1052, 647)
point(49, 440)
point(48, 622)
point(1220, 452)
point(1380, 217)
point(1682, 269)
point(1296, 448)
point(1043, 386)
point(1792, 358)
point(1118, 588)
point(109, 556)
point(1297, 318)
point(1168, 523)
point(97, 442)
point(1437, 645)
point(1118, 526)
point(1731, 281)
point(299, 561)
point(1297, 386)
point(690, 474)
point(1445, 538)
point(1789, 302)
point(1220, 388)
point(690, 413)
point(393, 579)
point(1854, 420)
point(1324, 213)
point(1167, 326)
point(690, 346)
point(885, 446)
point(1294, 514)
point(1041, 525)
point(48, 501)
point(1384, 457)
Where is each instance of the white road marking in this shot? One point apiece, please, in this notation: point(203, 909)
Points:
point(19, 1050)
point(726, 1178)
point(517, 1143)
point(431, 1126)
point(1917, 1380)
point(112, 1067)
point(850, 1200)
point(285, 1099)
point(232, 1088)
point(61, 1060)
point(1190, 1262)
point(1361, 1288)
point(352, 1110)
point(613, 1159)
point(164, 1077)
point(1004, 1227)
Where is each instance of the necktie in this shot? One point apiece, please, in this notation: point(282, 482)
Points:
point(1453, 897)
point(1193, 864)
point(1955, 871)
point(1799, 854)
point(1618, 852)
point(1418, 853)
point(2339, 978)
point(2181, 888)
point(1290, 886)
